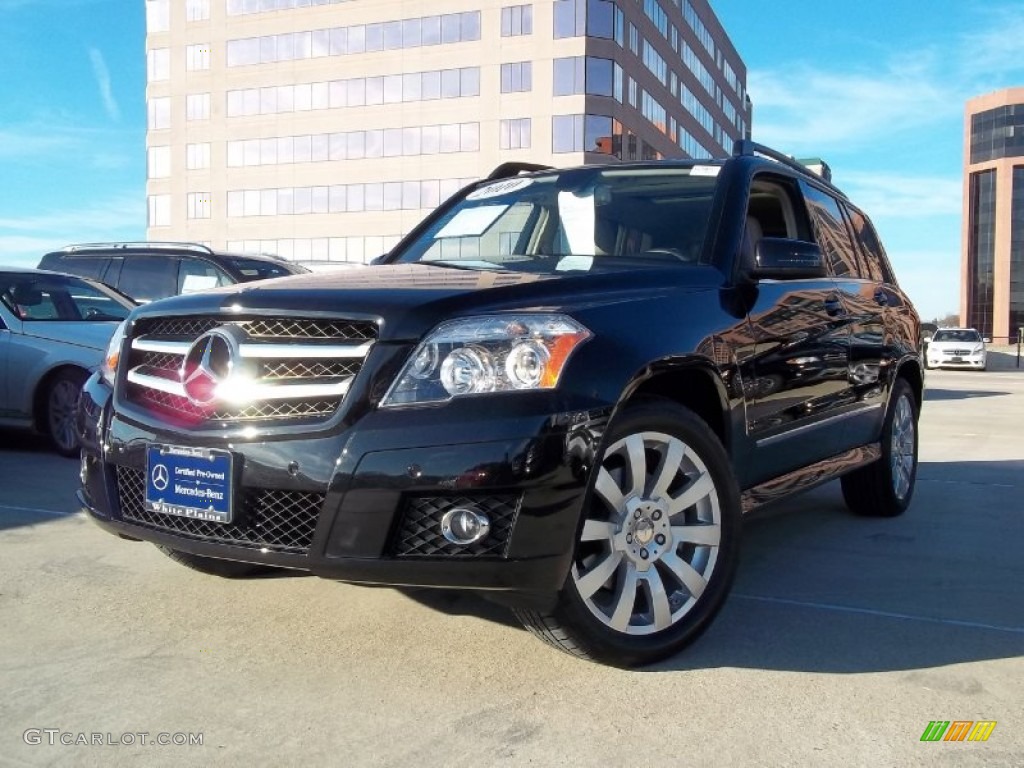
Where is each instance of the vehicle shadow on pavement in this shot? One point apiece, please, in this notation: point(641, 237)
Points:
point(821, 590)
point(959, 394)
point(36, 484)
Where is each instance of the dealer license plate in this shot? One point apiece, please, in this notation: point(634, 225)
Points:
point(189, 482)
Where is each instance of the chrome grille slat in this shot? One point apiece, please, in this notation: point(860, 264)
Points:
point(296, 368)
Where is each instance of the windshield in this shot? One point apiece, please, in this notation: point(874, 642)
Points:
point(578, 220)
point(55, 297)
point(257, 269)
point(957, 335)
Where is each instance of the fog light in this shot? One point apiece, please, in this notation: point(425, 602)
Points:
point(465, 525)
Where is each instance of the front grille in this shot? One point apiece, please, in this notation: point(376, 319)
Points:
point(281, 521)
point(297, 368)
point(265, 328)
point(180, 409)
point(418, 533)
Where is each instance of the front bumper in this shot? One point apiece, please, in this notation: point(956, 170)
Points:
point(975, 361)
point(362, 502)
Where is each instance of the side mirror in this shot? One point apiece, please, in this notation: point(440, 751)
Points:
point(987, 340)
point(378, 259)
point(779, 258)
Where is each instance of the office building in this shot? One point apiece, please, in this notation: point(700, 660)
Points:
point(992, 268)
point(325, 129)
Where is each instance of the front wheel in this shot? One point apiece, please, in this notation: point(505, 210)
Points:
point(884, 488)
point(658, 546)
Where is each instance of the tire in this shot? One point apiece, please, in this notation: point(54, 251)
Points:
point(651, 568)
point(60, 409)
point(225, 569)
point(885, 488)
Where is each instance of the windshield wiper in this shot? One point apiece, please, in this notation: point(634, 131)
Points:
point(472, 265)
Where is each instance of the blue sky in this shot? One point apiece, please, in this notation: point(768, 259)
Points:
point(877, 88)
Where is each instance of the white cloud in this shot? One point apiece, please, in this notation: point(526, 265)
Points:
point(801, 109)
point(889, 194)
point(19, 143)
point(102, 74)
point(804, 110)
point(24, 240)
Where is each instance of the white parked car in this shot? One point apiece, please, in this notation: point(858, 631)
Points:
point(54, 329)
point(956, 348)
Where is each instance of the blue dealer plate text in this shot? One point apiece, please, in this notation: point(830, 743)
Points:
point(189, 482)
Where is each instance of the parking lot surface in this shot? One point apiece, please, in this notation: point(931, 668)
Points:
point(842, 640)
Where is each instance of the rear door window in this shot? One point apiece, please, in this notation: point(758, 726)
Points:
point(832, 233)
point(871, 247)
point(83, 266)
point(146, 278)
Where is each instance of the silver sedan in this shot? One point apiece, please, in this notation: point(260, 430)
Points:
point(54, 330)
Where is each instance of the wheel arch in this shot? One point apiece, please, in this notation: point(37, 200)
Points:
point(692, 383)
point(910, 370)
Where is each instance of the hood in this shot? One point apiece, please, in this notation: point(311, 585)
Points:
point(92, 335)
point(409, 299)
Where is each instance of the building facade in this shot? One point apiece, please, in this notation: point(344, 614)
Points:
point(992, 269)
point(326, 129)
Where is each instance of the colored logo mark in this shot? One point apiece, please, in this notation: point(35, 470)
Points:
point(958, 730)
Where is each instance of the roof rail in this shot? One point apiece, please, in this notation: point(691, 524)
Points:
point(507, 170)
point(748, 148)
point(153, 245)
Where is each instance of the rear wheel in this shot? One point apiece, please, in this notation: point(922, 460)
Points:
point(62, 395)
point(885, 488)
point(226, 569)
point(656, 553)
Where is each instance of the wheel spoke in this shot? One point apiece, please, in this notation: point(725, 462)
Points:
point(700, 488)
point(686, 573)
point(595, 530)
point(637, 464)
point(709, 535)
point(659, 600)
point(609, 490)
point(625, 598)
point(598, 575)
point(669, 468)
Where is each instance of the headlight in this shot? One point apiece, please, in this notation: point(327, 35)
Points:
point(108, 369)
point(978, 349)
point(494, 353)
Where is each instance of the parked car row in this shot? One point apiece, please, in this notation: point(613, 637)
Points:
point(56, 321)
point(53, 330)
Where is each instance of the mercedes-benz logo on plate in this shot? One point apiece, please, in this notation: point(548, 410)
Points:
point(210, 361)
point(160, 477)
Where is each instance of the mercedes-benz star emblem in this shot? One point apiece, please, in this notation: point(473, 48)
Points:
point(160, 477)
point(210, 361)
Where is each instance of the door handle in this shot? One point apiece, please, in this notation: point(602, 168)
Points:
point(834, 306)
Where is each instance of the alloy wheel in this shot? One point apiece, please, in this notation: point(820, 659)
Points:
point(651, 538)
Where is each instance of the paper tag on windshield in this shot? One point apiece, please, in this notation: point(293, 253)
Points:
point(574, 264)
point(193, 283)
point(499, 188)
point(705, 170)
point(471, 222)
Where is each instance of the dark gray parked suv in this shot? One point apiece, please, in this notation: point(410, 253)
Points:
point(151, 271)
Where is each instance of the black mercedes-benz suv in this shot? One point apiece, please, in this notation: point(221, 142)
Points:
point(564, 389)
